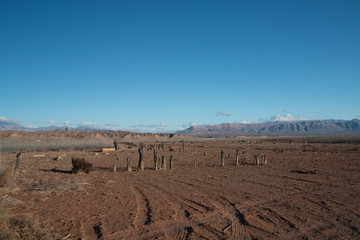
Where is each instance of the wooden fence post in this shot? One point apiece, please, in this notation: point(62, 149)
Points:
point(128, 164)
point(141, 159)
point(237, 157)
point(158, 163)
point(183, 146)
point(155, 161)
point(170, 162)
point(264, 159)
point(256, 158)
point(18, 159)
point(163, 163)
point(222, 158)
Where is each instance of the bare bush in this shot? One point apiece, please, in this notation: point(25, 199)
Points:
point(80, 164)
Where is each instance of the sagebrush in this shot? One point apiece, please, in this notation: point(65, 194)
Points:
point(80, 164)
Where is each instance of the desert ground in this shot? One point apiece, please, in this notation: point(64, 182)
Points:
point(307, 190)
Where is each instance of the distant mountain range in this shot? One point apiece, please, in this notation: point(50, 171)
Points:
point(5, 125)
point(309, 127)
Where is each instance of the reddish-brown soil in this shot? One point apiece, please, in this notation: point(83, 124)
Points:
point(306, 191)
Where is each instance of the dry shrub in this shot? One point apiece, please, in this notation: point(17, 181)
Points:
point(7, 177)
point(80, 164)
point(41, 149)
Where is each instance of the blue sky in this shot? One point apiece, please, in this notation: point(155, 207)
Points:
point(166, 65)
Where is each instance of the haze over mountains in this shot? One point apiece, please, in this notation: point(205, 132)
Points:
point(308, 127)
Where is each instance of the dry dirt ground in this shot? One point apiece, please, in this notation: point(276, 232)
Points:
point(306, 191)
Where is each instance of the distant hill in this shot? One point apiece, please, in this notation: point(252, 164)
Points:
point(310, 127)
point(5, 125)
point(315, 127)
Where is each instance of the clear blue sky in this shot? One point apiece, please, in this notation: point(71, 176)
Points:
point(161, 65)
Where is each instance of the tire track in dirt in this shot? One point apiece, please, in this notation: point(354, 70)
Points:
point(93, 230)
point(302, 180)
point(313, 232)
point(285, 224)
point(192, 206)
point(98, 230)
point(142, 225)
point(210, 187)
point(237, 225)
point(263, 220)
point(143, 209)
point(295, 225)
point(90, 230)
point(325, 225)
point(226, 213)
point(189, 223)
point(163, 199)
point(277, 218)
point(183, 207)
point(321, 204)
point(149, 221)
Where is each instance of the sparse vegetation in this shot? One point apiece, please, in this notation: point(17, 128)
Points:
point(46, 188)
point(7, 177)
point(68, 145)
point(26, 228)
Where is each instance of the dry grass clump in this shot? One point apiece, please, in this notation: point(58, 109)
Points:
point(80, 164)
point(7, 177)
point(28, 228)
